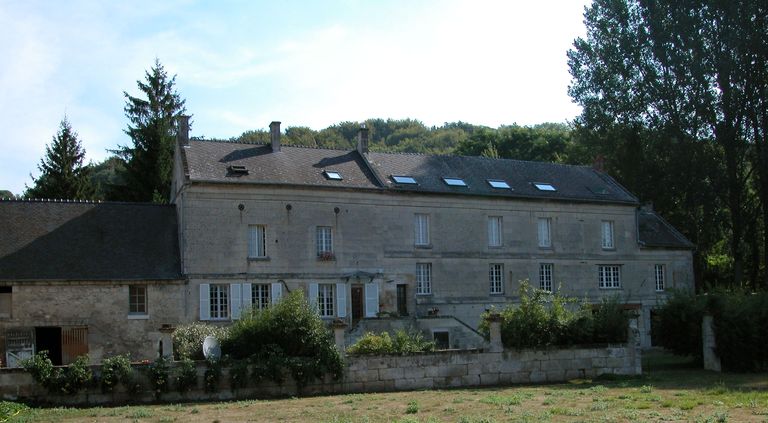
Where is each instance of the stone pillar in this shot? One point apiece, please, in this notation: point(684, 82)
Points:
point(633, 346)
point(711, 360)
point(494, 322)
point(339, 326)
point(166, 341)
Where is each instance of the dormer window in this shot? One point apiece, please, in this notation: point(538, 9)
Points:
point(454, 182)
point(498, 184)
point(332, 175)
point(541, 186)
point(406, 180)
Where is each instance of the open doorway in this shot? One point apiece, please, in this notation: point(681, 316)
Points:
point(357, 302)
point(48, 338)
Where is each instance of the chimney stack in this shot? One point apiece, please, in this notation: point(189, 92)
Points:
point(362, 140)
point(182, 134)
point(274, 135)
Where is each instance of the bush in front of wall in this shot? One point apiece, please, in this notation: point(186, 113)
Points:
point(402, 342)
point(61, 380)
point(741, 336)
point(186, 375)
point(677, 324)
point(115, 370)
point(212, 374)
point(238, 374)
point(159, 374)
point(188, 339)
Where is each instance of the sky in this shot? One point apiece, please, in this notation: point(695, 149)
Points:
point(242, 64)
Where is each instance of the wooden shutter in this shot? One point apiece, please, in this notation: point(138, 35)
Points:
point(277, 292)
point(313, 295)
point(371, 299)
point(74, 343)
point(248, 296)
point(341, 300)
point(205, 301)
point(236, 299)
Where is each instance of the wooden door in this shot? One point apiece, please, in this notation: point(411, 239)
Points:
point(357, 302)
point(74, 343)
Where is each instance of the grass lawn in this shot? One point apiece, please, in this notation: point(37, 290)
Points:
point(668, 391)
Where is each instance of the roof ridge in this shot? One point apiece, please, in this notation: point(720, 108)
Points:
point(69, 201)
point(308, 147)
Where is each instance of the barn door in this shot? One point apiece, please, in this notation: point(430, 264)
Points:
point(74, 343)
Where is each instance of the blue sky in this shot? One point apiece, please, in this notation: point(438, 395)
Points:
point(242, 64)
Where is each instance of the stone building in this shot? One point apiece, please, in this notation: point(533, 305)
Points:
point(434, 239)
point(84, 277)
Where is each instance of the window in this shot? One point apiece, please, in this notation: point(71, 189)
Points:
point(496, 278)
point(442, 339)
point(324, 240)
point(609, 276)
point(454, 182)
point(658, 272)
point(423, 278)
point(545, 238)
point(137, 299)
point(6, 293)
point(545, 276)
point(498, 184)
point(325, 299)
point(219, 299)
point(404, 180)
point(544, 187)
point(607, 226)
point(329, 174)
point(421, 228)
point(260, 296)
point(257, 241)
point(494, 231)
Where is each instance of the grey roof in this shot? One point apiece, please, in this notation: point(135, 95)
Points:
point(209, 161)
point(654, 231)
point(47, 240)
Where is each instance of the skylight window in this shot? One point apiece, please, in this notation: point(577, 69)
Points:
point(336, 176)
point(497, 183)
point(544, 187)
point(237, 170)
point(404, 179)
point(454, 182)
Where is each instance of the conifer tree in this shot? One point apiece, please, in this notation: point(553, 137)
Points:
point(62, 173)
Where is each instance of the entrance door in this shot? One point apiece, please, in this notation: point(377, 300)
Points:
point(357, 302)
point(49, 339)
point(402, 299)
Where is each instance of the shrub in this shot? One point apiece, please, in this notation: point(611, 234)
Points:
point(238, 374)
point(371, 343)
point(115, 370)
point(158, 376)
point(64, 380)
point(212, 375)
point(186, 375)
point(188, 339)
point(678, 324)
point(403, 342)
point(288, 335)
point(741, 336)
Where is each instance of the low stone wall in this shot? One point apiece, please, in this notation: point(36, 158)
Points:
point(442, 369)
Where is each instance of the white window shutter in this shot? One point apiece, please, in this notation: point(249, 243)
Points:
point(277, 292)
point(247, 295)
point(371, 299)
point(313, 295)
point(236, 299)
point(341, 300)
point(205, 301)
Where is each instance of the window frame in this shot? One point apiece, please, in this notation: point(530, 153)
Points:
point(660, 276)
point(544, 242)
point(333, 175)
point(498, 184)
point(421, 232)
point(326, 297)
point(496, 278)
point(261, 241)
point(423, 278)
point(607, 235)
point(219, 306)
point(261, 296)
point(495, 231)
point(454, 182)
point(546, 276)
point(144, 302)
point(324, 241)
point(609, 276)
point(544, 186)
point(404, 180)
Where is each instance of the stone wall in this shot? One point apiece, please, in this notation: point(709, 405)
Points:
point(442, 369)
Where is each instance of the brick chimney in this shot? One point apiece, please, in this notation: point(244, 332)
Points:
point(362, 140)
point(182, 133)
point(274, 135)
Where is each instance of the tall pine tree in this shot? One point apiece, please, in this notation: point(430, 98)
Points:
point(62, 173)
point(149, 161)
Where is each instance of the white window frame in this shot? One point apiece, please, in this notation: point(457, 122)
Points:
point(219, 301)
point(257, 241)
point(423, 278)
point(145, 303)
point(421, 230)
point(659, 275)
point(495, 231)
point(607, 235)
point(496, 278)
point(324, 240)
point(325, 299)
point(546, 270)
point(261, 296)
point(544, 232)
point(609, 276)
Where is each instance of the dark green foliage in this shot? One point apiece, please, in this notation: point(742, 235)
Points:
point(238, 374)
point(9, 409)
point(403, 342)
point(6, 194)
point(115, 370)
point(741, 330)
point(188, 339)
point(149, 161)
point(543, 319)
point(212, 375)
point(62, 172)
point(60, 380)
point(105, 176)
point(678, 323)
point(287, 336)
point(159, 376)
point(186, 375)
point(548, 142)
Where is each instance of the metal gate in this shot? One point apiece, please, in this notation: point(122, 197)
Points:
point(19, 345)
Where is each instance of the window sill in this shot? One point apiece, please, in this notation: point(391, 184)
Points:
point(265, 258)
point(496, 294)
point(495, 247)
point(423, 246)
point(321, 259)
point(546, 248)
point(611, 288)
point(609, 249)
point(137, 317)
point(429, 294)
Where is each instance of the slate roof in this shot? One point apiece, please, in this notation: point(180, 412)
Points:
point(209, 161)
point(47, 240)
point(654, 231)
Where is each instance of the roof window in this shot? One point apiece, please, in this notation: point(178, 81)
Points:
point(497, 183)
point(404, 179)
point(454, 182)
point(237, 170)
point(330, 174)
point(541, 186)
point(599, 190)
